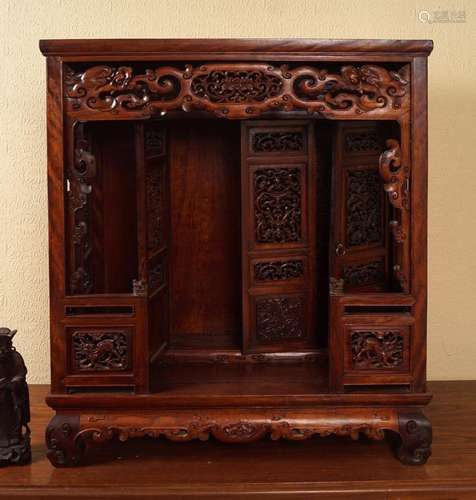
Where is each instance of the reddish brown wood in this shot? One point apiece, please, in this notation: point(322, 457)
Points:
point(327, 467)
point(161, 299)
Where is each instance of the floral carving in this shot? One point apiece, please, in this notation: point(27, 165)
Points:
point(154, 141)
point(278, 270)
point(80, 173)
point(277, 195)
point(100, 350)
point(377, 349)
point(156, 276)
point(277, 142)
point(239, 90)
point(369, 273)
point(280, 318)
point(364, 207)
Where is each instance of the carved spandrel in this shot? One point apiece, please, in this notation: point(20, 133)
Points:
point(395, 175)
point(240, 90)
point(277, 205)
point(79, 189)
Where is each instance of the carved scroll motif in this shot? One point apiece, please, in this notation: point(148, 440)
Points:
point(239, 90)
point(80, 173)
point(278, 142)
point(394, 175)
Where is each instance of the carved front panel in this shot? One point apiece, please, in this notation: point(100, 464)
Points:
point(280, 141)
point(278, 270)
point(239, 90)
point(100, 350)
point(277, 205)
point(364, 274)
point(363, 207)
point(379, 348)
point(280, 318)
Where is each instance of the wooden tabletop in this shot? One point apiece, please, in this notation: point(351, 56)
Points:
point(318, 468)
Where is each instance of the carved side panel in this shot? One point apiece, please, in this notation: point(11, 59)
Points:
point(280, 318)
point(79, 187)
point(277, 205)
point(364, 209)
point(100, 350)
point(239, 90)
point(379, 349)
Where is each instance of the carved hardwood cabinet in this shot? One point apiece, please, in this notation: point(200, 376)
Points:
point(237, 239)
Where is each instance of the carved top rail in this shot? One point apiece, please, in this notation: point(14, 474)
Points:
point(238, 90)
point(133, 48)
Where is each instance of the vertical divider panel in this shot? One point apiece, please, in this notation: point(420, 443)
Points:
point(153, 229)
point(278, 235)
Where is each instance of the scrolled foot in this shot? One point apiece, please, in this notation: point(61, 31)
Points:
point(415, 438)
point(65, 449)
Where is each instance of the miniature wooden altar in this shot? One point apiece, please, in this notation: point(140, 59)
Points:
point(237, 241)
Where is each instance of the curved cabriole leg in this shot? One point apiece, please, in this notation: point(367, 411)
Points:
point(415, 432)
point(65, 449)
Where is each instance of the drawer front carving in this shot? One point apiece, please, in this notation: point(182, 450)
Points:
point(377, 348)
point(100, 349)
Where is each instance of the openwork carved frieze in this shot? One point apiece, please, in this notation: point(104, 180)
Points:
point(79, 175)
point(239, 90)
point(100, 350)
point(363, 207)
point(278, 142)
point(377, 349)
point(277, 205)
point(369, 273)
point(278, 270)
point(395, 175)
point(362, 142)
point(280, 318)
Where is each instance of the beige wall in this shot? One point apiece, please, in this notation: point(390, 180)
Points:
point(23, 218)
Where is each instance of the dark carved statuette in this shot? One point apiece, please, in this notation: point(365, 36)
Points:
point(14, 404)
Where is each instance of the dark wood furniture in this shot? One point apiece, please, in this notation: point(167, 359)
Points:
point(319, 468)
point(237, 241)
